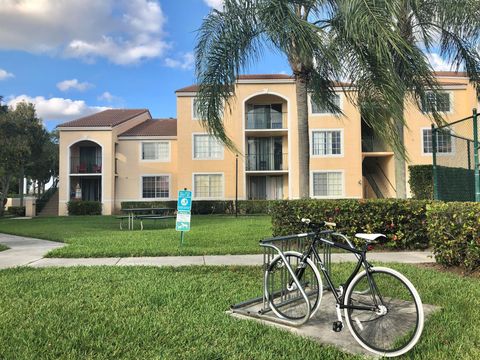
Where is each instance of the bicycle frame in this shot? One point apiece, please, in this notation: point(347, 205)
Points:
point(362, 261)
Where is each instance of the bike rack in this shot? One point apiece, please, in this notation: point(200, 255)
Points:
point(277, 246)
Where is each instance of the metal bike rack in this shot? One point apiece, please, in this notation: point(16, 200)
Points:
point(277, 246)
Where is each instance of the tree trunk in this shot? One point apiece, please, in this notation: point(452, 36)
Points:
point(400, 166)
point(20, 184)
point(303, 137)
point(5, 182)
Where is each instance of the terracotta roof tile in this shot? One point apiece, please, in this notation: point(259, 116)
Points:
point(107, 118)
point(154, 127)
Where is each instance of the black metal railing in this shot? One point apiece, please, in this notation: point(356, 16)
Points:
point(266, 162)
point(261, 120)
point(80, 165)
point(372, 143)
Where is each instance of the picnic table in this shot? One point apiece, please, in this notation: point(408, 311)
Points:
point(141, 214)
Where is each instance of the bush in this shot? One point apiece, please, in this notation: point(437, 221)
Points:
point(421, 181)
point(207, 207)
point(454, 232)
point(16, 210)
point(80, 207)
point(403, 221)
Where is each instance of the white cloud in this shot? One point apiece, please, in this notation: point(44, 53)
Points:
point(4, 74)
point(216, 4)
point(57, 108)
point(438, 63)
point(108, 97)
point(66, 85)
point(122, 31)
point(185, 62)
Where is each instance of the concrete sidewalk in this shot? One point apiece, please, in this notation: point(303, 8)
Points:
point(30, 252)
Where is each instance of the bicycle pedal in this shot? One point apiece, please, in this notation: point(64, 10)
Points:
point(337, 326)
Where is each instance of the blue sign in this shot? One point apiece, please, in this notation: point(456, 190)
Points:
point(184, 202)
point(183, 221)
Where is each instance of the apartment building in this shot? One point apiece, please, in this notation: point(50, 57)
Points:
point(125, 155)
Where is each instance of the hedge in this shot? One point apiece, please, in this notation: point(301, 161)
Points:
point(403, 221)
point(205, 207)
point(454, 232)
point(80, 207)
point(16, 210)
point(421, 181)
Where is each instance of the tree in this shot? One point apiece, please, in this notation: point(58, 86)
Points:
point(451, 25)
point(318, 37)
point(21, 140)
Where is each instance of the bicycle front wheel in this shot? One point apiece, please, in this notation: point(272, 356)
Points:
point(388, 319)
point(283, 296)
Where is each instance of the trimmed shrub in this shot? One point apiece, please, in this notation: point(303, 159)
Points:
point(16, 210)
point(403, 221)
point(454, 232)
point(421, 181)
point(80, 207)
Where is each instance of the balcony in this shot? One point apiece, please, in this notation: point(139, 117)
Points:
point(79, 165)
point(266, 162)
point(263, 120)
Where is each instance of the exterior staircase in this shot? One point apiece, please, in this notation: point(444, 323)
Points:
point(51, 207)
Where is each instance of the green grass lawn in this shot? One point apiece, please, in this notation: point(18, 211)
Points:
point(3, 247)
point(167, 313)
point(100, 236)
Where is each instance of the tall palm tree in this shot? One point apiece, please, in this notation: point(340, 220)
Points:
point(318, 37)
point(451, 27)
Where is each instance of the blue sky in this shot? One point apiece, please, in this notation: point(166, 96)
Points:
point(76, 57)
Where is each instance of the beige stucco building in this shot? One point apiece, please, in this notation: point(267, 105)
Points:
point(125, 155)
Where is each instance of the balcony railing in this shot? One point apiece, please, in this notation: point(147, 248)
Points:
point(372, 143)
point(266, 162)
point(85, 166)
point(260, 120)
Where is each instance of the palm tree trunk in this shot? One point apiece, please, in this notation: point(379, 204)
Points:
point(400, 165)
point(303, 138)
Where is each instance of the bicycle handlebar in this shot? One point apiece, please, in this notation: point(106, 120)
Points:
point(308, 222)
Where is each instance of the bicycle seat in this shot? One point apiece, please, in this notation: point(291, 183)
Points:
point(371, 238)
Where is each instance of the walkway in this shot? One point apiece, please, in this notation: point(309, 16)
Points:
point(30, 252)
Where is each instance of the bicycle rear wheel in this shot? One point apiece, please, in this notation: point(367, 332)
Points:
point(395, 323)
point(283, 295)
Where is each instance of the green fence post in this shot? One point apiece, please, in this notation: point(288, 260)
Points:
point(475, 155)
point(434, 163)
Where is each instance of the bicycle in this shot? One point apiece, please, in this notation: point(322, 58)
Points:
point(382, 308)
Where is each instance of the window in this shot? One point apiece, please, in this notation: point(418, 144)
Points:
point(159, 151)
point(327, 142)
point(327, 184)
point(207, 147)
point(195, 115)
point(320, 109)
point(439, 102)
point(208, 185)
point(156, 187)
point(444, 141)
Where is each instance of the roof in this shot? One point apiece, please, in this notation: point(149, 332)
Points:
point(154, 127)
point(194, 88)
point(107, 118)
point(451, 74)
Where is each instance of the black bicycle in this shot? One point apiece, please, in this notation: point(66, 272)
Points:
point(381, 306)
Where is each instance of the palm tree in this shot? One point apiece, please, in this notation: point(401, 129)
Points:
point(318, 37)
point(451, 27)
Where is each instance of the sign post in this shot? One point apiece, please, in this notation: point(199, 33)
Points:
point(184, 208)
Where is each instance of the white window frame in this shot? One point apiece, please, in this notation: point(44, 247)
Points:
point(451, 99)
point(341, 196)
point(168, 159)
point(156, 198)
point(221, 197)
point(206, 158)
point(193, 109)
point(310, 106)
point(452, 153)
point(330, 155)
